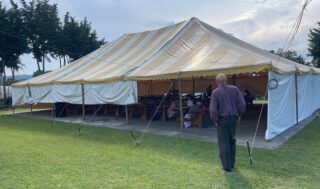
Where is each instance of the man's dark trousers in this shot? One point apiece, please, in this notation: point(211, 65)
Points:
point(227, 141)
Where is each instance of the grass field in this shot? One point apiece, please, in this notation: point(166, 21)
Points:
point(34, 155)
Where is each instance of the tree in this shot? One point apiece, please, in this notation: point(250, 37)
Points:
point(42, 23)
point(14, 65)
point(314, 45)
point(12, 47)
point(291, 55)
point(78, 38)
point(36, 28)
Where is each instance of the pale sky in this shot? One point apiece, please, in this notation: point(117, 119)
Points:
point(263, 23)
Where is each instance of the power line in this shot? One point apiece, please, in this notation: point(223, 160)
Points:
point(295, 27)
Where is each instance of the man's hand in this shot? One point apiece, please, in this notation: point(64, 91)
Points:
point(239, 119)
point(216, 124)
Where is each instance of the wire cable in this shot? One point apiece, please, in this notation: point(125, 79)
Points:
point(149, 123)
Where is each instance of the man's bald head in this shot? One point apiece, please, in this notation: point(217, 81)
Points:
point(221, 79)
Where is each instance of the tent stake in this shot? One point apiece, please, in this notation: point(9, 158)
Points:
point(134, 138)
point(249, 153)
point(180, 103)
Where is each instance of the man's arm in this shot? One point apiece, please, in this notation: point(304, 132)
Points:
point(241, 105)
point(214, 108)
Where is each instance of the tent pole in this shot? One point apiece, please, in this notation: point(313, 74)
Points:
point(52, 110)
point(127, 115)
point(180, 105)
point(83, 107)
point(193, 86)
point(30, 95)
point(296, 89)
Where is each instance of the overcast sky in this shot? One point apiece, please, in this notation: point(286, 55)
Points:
point(264, 23)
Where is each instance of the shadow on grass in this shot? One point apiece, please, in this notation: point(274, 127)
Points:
point(236, 179)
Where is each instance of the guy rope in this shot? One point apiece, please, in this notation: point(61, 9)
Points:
point(137, 142)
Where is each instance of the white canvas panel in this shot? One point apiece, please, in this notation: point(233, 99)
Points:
point(281, 105)
point(120, 92)
point(307, 91)
point(316, 90)
point(18, 95)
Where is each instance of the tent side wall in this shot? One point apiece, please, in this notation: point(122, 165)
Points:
point(282, 107)
point(120, 92)
point(308, 95)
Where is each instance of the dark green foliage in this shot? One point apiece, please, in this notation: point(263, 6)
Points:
point(11, 47)
point(314, 45)
point(42, 25)
point(75, 39)
point(39, 72)
point(291, 55)
point(35, 28)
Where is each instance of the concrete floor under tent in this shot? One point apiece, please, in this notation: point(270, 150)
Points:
point(245, 131)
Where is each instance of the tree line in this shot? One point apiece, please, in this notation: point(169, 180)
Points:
point(313, 49)
point(34, 27)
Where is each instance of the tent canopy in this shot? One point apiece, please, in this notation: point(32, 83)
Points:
point(190, 48)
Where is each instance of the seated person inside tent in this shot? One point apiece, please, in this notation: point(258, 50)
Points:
point(189, 100)
point(207, 96)
point(248, 97)
point(173, 109)
point(191, 116)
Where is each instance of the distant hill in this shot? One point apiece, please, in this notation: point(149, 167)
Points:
point(19, 77)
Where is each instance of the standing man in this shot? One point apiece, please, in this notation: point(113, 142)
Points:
point(227, 105)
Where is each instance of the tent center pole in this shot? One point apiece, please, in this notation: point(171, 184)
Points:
point(83, 107)
point(297, 100)
point(180, 105)
point(193, 87)
point(234, 79)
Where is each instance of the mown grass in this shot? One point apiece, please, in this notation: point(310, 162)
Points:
point(34, 155)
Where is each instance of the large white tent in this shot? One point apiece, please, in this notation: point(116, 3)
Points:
point(188, 49)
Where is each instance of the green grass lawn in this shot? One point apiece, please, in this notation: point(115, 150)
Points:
point(34, 155)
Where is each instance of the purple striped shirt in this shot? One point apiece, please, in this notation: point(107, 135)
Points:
point(226, 100)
